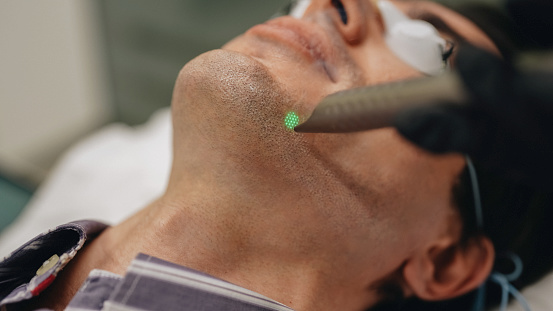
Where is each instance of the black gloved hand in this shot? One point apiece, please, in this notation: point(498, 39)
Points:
point(507, 128)
point(533, 19)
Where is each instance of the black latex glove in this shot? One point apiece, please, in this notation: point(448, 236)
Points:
point(533, 19)
point(508, 127)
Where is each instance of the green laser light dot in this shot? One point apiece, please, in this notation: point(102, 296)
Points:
point(291, 120)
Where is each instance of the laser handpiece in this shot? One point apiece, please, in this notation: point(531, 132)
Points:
point(376, 106)
point(415, 42)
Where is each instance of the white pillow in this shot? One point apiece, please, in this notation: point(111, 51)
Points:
point(107, 176)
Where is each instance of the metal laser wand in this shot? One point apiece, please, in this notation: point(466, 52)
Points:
point(376, 106)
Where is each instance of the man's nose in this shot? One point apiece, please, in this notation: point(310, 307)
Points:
point(351, 17)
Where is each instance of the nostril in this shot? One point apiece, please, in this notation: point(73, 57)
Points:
point(340, 7)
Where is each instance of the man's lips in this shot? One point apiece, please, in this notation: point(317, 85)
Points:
point(307, 39)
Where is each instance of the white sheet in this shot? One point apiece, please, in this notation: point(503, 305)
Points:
point(107, 176)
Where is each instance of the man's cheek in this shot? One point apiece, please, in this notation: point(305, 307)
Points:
point(306, 89)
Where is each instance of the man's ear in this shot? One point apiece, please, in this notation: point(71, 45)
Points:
point(445, 269)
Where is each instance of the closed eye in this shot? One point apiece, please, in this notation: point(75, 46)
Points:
point(448, 52)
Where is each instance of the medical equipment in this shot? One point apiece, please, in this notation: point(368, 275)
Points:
point(414, 41)
point(503, 280)
point(376, 106)
point(418, 44)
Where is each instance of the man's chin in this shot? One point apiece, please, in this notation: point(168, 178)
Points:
point(223, 90)
point(227, 77)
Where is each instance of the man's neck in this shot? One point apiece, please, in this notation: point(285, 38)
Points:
point(241, 245)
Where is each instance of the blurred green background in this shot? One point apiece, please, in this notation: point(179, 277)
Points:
point(144, 45)
point(149, 41)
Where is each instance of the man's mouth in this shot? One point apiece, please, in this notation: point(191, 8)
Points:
point(307, 39)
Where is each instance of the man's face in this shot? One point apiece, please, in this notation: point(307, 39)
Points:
point(327, 55)
point(369, 195)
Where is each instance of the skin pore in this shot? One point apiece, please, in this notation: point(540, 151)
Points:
point(314, 221)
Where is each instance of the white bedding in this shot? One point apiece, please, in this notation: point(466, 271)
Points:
point(116, 171)
point(107, 176)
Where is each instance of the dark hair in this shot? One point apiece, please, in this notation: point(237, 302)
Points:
point(516, 219)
